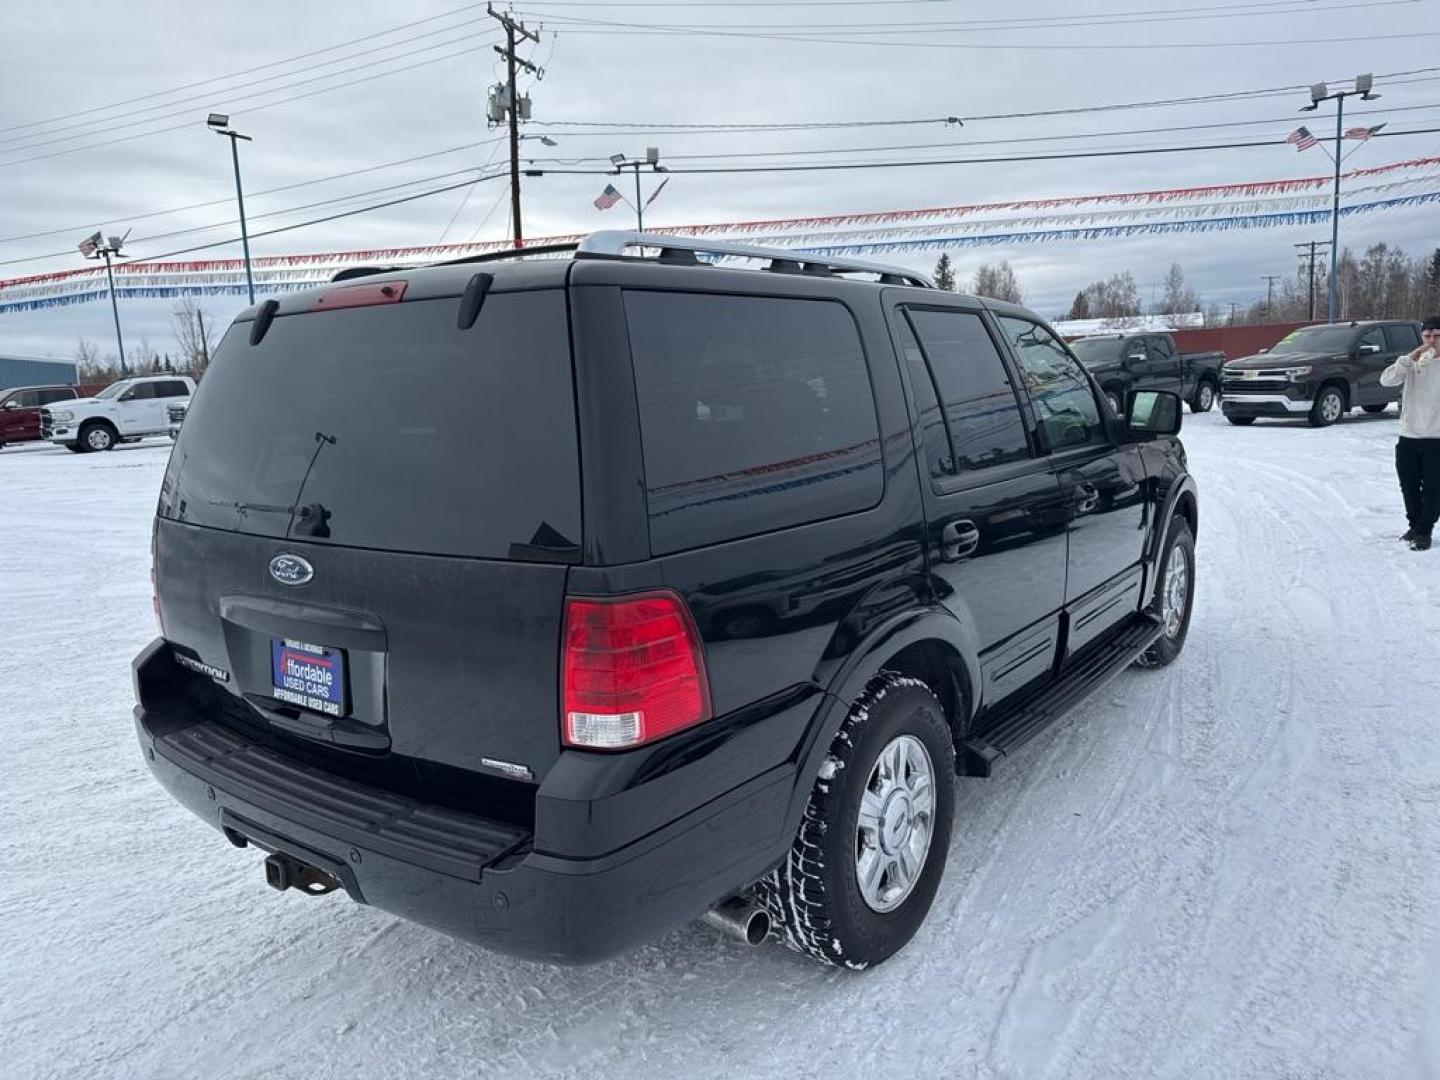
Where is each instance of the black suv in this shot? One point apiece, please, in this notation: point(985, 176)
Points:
point(1318, 372)
point(554, 602)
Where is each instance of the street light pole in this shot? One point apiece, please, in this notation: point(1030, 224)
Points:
point(220, 124)
point(1335, 211)
point(96, 246)
point(115, 309)
point(1318, 93)
point(651, 158)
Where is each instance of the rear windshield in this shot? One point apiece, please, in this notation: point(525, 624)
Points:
point(389, 428)
point(1093, 351)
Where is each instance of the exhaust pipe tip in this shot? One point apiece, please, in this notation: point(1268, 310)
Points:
point(740, 919)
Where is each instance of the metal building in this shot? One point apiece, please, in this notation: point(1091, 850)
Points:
point(33, 371)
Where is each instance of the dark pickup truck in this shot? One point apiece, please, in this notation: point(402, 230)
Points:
point(1124, 362)
point(1319, 372)
point(20, 409)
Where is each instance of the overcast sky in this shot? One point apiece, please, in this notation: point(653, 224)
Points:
point(68, 57)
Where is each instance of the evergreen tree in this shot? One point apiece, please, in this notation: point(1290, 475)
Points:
point(945, 273)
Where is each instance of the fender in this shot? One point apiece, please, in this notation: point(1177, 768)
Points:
point(931, 622)
point(1183, 484)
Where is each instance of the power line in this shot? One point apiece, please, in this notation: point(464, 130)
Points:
point(575, 24)
point(970, 26)
point(230, 102)
point(109, 123)
point(1066, 156)
point(1194, 99)
point(244, 71)
point(127, 218)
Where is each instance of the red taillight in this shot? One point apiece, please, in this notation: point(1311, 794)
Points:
point(154, 589)
point(633, 670)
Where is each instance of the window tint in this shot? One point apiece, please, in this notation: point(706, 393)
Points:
point(1402, 337)
point(25, 399)
point(755, 413)
point(388, 427)
point(983, 419)
point(1160, 347)
point(59, 393)
point(172, 388)
point(1068, 413)
point(1374, 336)
point(144, 391)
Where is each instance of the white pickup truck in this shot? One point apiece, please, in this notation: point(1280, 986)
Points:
point(123, 412)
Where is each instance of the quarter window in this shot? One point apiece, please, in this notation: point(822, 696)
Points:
point(756, 413)
point(1068, 413)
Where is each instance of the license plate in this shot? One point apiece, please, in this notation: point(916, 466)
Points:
point(310, 676)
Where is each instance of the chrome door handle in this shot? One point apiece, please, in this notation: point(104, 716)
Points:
point(958, 539)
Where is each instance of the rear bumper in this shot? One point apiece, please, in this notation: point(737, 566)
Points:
point(1235, 404)
point(478, 880)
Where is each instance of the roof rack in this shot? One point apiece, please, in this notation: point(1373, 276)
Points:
point(782, 260)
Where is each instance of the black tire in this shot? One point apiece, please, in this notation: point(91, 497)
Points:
point(98, 436)
point(74, 448)
point(1330, 405)
point(1373, 409)
point(1170, 643)
point(1204, 399)
point(1240, 421)
point(814, 897)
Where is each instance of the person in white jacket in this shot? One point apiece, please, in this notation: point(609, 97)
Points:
point(1417, 454)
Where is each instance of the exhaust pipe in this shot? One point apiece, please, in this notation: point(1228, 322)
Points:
point(740, 919)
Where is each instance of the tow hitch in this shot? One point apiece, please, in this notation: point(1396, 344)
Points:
point(286, 872)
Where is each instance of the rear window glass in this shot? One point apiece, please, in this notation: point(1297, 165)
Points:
point(389, 428)
point(756, 413)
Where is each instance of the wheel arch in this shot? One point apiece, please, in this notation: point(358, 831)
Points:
point(929, 643)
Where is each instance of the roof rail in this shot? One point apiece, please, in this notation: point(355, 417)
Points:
point(782, 260)
point(509, 253)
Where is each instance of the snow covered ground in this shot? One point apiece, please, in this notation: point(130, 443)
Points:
point(1230, 868)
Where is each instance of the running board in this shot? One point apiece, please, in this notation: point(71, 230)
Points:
point(1017, 725)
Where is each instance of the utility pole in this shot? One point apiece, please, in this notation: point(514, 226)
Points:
point(508, 101)
point(204, 345)
point(1270, 280)
point(1310, 256)
point(1318, 93)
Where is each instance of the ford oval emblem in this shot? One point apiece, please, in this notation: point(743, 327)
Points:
point(291, 569)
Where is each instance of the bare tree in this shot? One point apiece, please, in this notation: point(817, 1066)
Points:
point(1114, 298)
point(194, 333)
point(997, 281)
point(1178, 298)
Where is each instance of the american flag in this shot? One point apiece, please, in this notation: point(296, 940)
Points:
point(1302, 138)
point(1362, 133)
point(607, 198)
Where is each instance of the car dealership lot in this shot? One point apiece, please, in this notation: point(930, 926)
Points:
point(1227, 868)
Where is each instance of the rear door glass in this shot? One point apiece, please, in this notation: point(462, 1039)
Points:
point(388, 427)
point(1402, 337)
point(982, 415)
point(756, 413)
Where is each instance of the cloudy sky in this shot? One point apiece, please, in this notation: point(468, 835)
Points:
point(102, 120)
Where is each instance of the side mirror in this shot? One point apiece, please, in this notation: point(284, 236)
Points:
point(129, 395)
point(12, 404)
point(1153, 413)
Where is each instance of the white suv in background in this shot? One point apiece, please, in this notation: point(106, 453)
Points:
point(123, 412)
